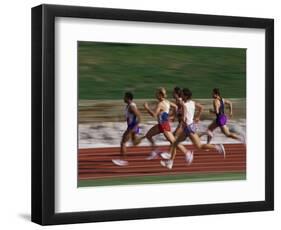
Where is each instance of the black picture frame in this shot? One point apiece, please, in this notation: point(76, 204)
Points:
point(43, 114)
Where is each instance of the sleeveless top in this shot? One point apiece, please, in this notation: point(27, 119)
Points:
point(130, 117)
point(221, 108)
point(164, 115)
point(189, 113)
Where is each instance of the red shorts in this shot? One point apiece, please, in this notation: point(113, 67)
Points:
point(165, 126)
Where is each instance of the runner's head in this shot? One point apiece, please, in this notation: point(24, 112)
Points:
point(177, 93)
point(128, 97)
point(161, 93)
point(186, 94)
point(216, 93)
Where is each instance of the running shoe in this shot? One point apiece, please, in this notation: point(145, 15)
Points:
point(189, 157)
point(153, 155)
point(120, 162)
point(167, 163)
point(220, 149)
point(166, 155)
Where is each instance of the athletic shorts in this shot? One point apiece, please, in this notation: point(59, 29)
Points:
point(190, 129)
point(134, 128)
point(164, 126)
point(180, 126)
point(221, 120)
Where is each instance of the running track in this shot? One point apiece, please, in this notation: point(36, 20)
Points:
point(96, 163)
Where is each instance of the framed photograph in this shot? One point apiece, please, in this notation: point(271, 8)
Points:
point(143, 114)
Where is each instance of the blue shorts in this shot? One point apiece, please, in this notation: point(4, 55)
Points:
point(133, 126)
point(190, 129)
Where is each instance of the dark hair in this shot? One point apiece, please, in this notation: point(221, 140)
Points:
point(178, 91)
point(216, 91)
point(187, 93)
point(129, 95)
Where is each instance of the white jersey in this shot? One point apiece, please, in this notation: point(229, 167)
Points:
point(164, 115)
point(130, 117)
point(189, 112)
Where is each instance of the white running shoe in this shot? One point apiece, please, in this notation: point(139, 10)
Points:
point(167, 163)
point(120, 162)
point(153, 155)
point(166, 155)
point(220, 149)
point(189, 157)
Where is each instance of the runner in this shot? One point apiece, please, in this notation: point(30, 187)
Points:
point(177, 114)
point(189, 131)
point(132, 115)
point(221, 119)
point(162, 114)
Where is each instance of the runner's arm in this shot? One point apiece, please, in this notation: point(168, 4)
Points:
point(174, 106)
point(151, 112)
point(174, 110)
point(229, 103)
point(216, 107)
point(199, 108)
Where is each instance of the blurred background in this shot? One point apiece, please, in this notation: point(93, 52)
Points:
point(107, 70)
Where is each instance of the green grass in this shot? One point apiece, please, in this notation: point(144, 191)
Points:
point(107, 70)
point(181, 178)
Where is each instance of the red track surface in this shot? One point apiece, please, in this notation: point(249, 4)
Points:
point(96, 163)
